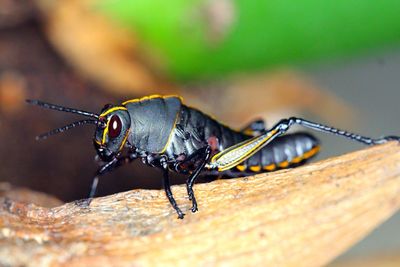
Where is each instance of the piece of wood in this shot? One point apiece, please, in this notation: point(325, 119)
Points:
point(300, 217)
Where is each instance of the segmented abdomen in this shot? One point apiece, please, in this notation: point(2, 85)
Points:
point(285, 151)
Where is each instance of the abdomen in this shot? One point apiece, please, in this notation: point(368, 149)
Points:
point(285, 151)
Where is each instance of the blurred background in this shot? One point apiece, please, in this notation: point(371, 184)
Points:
point(337, 63)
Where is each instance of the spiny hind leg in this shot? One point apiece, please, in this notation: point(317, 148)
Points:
point(238, 153)
point(286, 123)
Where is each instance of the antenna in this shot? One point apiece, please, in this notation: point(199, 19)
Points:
point(61, 108)
point(65, 128)
point(42, 104)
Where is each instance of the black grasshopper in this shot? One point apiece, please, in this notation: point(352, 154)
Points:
point(169, 135)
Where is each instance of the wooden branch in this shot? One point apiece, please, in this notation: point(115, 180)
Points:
point(300, 217)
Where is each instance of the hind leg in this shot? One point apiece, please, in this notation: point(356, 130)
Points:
point(238, 153)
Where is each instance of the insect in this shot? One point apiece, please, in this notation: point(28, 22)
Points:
point(166, 134)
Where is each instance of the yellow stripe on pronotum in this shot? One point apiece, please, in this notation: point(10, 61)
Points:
point(150, 97)
point(170, 135)
point(105, 113)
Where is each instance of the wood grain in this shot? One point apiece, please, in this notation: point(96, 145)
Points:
point(300, 217)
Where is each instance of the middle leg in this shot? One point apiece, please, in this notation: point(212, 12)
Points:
point(167, 187)
point(205, 154)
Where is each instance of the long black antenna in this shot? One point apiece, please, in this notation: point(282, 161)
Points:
point(65, 128)
point(61, 108)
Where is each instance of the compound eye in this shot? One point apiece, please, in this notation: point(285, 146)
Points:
point(115, 126)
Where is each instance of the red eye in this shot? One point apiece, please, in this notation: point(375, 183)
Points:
point(114, 128)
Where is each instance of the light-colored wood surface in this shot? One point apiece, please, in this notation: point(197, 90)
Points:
point(300, 217)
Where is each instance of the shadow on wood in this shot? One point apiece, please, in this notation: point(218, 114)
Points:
point(300, 217)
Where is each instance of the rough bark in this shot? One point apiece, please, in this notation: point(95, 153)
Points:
point(300, 217)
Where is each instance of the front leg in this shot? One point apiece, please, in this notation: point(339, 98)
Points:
point(108, 167)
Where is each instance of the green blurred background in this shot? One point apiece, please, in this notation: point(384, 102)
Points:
point(201, 38)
